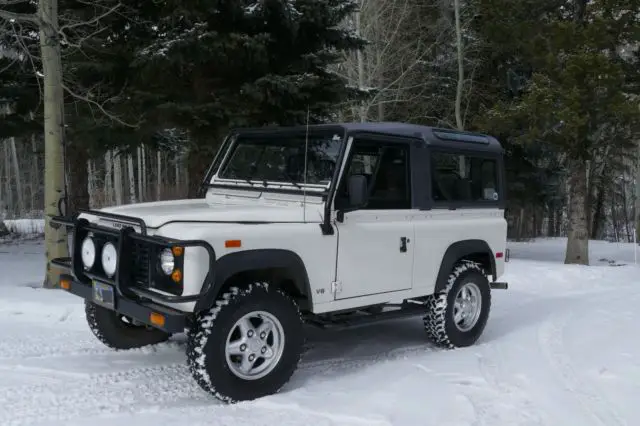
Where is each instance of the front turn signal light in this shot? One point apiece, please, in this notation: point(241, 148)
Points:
point(176, 276)
point(157, 319)
point(65, 284)
point(177, 251)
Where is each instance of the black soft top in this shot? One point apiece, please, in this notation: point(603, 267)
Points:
point(432, 136)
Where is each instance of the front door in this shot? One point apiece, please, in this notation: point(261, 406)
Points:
point(375, 243)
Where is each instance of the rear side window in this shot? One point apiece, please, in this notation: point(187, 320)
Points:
point(458, 178)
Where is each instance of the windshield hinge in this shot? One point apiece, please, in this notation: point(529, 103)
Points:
point(336, 287)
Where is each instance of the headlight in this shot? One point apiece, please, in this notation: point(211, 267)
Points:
point(109, 259)
point(167, 261)
point(88, 252)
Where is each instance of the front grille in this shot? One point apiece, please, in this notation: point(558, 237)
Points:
point(140, 264)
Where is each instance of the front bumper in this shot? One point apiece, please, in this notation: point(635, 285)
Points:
point(149, 313)
point(126, 295)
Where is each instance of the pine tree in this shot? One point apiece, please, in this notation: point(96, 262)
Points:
point(20, 100)
point(575, 86)
point(221, 64)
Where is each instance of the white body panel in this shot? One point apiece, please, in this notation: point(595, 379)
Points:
point(229, 206)
point(437, 230)
point(369, 257)
point(363, 254)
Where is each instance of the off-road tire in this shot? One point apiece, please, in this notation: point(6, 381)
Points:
point(438, 321)
point(207, 339)
point(111, 330)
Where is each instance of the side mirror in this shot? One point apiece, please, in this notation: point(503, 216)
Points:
point(358, 191)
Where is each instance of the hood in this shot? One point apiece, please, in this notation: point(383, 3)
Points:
point(156, 214)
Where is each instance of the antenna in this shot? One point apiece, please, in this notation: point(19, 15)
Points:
point(306, 153)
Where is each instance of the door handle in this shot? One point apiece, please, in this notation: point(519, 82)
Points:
point(403, 244)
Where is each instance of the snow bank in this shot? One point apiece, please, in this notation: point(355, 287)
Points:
point(601, 253)
point(25, 227)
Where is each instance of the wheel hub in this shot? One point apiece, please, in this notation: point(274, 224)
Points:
point(254, 345)
point(467, 307)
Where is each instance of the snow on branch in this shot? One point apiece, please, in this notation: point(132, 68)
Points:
point(164, 43)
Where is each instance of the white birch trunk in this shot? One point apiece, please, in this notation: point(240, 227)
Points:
point(177, 167)
point(117, 178)
point(458, 108)
point(53, 99)
point(2, 201)
point(144, 194)
point(139, 161)
point(361, 71)
point(108, 179)
point(637, 196)
point(159, 175)
point(35, 177)
point(16, 168)
point(131, 178)
point(91, 183)
point(7, 178)
point(578, 235)
point(186, 181)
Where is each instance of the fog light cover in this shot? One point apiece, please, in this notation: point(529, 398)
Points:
point(88, 252)
point(109, 259)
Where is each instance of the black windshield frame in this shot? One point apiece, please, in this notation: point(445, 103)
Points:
point(269, 136)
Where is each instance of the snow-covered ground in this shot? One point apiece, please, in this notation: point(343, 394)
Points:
point(561, 348)
point(25, 227)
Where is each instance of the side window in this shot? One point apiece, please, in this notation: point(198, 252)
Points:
point(464, 178)
point(386, 169)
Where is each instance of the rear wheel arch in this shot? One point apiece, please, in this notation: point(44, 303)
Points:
point(283, 268)
point(477, 251)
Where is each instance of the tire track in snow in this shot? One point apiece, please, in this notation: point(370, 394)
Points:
point(343, 419)
point(102, 393)
point(523, 405)
point(551, 344)
point(479, 409)
point(142, 388)
point(25, 345)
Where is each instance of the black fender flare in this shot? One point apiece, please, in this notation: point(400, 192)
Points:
point(251, 260)
point(457, 251)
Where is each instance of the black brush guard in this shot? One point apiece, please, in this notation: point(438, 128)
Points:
point(129, 294)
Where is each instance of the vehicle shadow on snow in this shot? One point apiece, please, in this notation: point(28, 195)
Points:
point(333, 353)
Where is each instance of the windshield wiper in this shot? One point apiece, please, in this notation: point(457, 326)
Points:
point(292, 180)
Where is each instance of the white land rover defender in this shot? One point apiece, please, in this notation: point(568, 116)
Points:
point(327, 225)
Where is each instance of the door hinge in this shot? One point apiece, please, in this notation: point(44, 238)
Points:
point(336, 287)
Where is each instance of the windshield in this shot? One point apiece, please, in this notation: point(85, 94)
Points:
point(282, 159)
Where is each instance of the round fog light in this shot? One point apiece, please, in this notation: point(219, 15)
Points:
point(109, 259)
point(88, 252)
point(167, 261)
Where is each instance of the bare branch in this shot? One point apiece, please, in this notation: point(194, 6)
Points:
point(12, 2)
point(66, 41)
point(19, 17)
point(92, 21)
point(100, 107)
point(9, 66)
